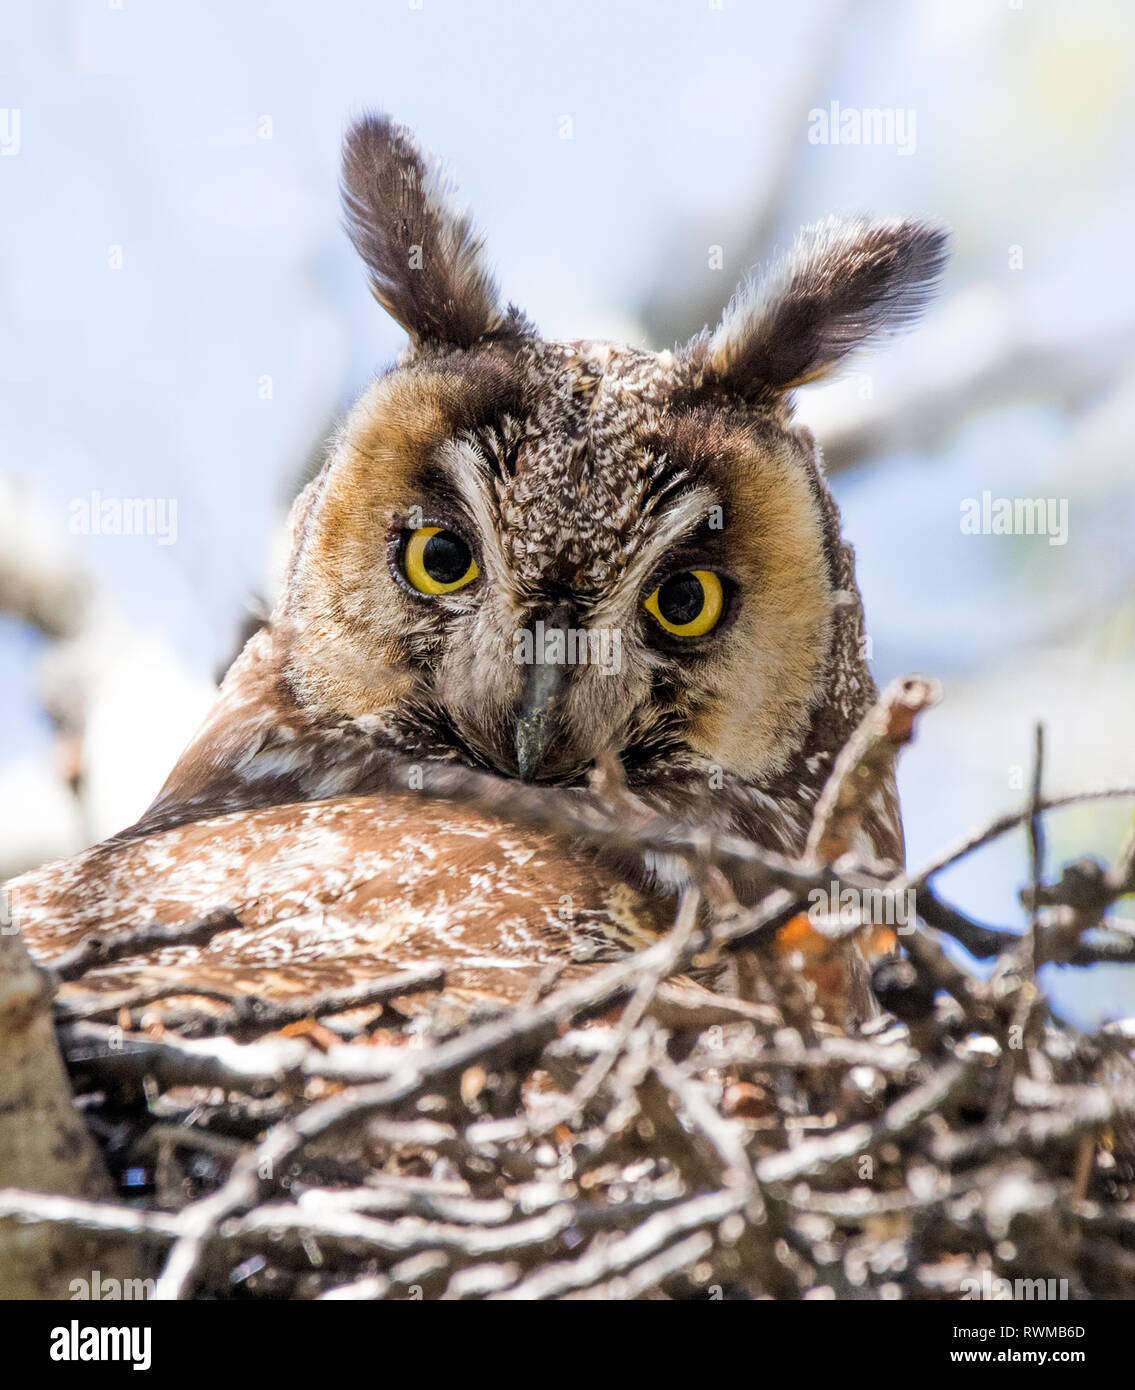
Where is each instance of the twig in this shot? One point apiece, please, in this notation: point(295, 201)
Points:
point(678, 939)
point(95, 951)
point(256, 1068)
point(621, 1256)
point(248, 1016)
point(864, 764)
point(816, 1156)
point(1001, 825)
point(1036, 844)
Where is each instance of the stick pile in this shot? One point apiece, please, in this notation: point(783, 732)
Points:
point(617, 1137)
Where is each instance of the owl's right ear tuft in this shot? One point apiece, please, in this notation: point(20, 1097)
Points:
point(423, 255)
point(845, 284)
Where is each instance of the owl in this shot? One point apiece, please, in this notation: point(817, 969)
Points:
point(520, 556)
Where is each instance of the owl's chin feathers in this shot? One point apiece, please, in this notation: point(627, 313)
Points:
point(259, 749)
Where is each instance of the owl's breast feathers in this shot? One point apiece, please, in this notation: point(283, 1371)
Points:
point(330, 894)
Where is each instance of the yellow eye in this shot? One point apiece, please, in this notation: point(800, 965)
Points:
point(437, 561)
point(689, 604)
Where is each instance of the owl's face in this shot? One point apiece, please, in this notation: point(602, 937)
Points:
point(552, 549)
point(536, 551)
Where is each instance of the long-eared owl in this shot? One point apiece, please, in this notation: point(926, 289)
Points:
point(520, 555)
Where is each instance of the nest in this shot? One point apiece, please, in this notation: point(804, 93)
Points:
point(618, 1137)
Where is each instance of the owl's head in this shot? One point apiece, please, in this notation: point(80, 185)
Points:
point(541, 550)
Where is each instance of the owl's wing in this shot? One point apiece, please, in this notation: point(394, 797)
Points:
point(333, 893)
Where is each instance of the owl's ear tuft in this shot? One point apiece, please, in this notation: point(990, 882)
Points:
point(844, 285)
point(423, 255)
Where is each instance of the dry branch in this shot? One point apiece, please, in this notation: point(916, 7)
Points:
point(865, 764)
point(44, 1144)
point(691, 1143)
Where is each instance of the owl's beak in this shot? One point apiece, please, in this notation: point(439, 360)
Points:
point(544, 687)
point(537, 721)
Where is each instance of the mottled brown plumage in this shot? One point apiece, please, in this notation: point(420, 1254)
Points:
point(579, 478)
point(332, 893)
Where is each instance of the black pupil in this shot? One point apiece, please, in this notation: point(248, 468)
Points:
point(681, 599)
point(446, 557)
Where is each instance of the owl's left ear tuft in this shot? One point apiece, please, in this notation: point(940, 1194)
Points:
point(844, 285)
point(424, 256)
